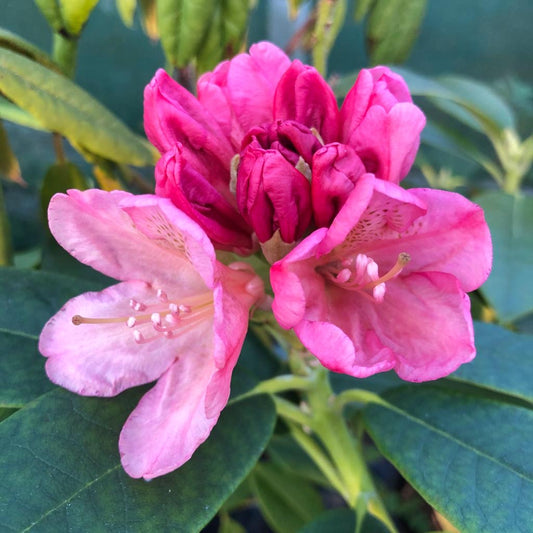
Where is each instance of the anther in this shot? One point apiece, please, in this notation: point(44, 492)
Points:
point(138, 336)
point(173, 308)
point(162, 295)
point(131, 321)
point(184, 308)
point(156, 319)
point(344, 275)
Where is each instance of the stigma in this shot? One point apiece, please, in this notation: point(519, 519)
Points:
point(158, 317)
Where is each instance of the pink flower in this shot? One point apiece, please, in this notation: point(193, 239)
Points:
point(383, 287)
point(242, 159)
point(177, 316)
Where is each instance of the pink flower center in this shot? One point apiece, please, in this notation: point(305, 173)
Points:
point(361, 273)
point(164, 318)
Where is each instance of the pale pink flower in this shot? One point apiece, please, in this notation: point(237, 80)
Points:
point(384, 286)
point(239, 158)
point(177, 316)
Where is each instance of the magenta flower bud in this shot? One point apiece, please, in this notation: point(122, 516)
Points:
point(208, 203)
point(335, 169)
point(380, 122)
point(272, 194)
point(291, 139)
point(304, 96)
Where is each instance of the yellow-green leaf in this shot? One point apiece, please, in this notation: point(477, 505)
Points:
point(126, 10)
point(61, 106)
point(9, 165)
point(75, 13)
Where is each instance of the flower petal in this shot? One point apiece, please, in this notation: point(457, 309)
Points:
point(104, 359)
point(240, 93)
point(172, 114)
point(451, 237)
point(170, 421)
point(132, 237)
point(205, 203)
point(387, 141)
point(178, 414)
point(422, 329)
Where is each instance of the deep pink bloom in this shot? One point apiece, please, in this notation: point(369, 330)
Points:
point(177, 316)
point(383, 287)
point(238, 157)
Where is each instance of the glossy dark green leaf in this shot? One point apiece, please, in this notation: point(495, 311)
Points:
point(286, 453)
point(464, 454)
point(392, 28)
point(342, 521)
point(60, 105)
point(504, 362)
point(60, 468)
point(31, 297)
point(509, 288)
point(287, 501)
point(22, 376)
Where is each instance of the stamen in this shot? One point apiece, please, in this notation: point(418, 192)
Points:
point(401, 262)
point(131, 322)
point(156, 319)
point(138, 336)
point(315, 132)
point(162, 295)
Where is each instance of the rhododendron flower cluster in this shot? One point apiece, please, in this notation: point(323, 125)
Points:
point(369, 276)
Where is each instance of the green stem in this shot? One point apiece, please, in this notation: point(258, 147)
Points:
point(289, 411)
point(345, 451)
point(6, 249)
point(316, 453)
point(358, 396)
point(65, 50)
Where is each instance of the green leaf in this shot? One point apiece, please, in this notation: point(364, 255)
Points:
point(61, 106)
point(509, 288)
point(286, 500)
point(182, 27)
point(60, 468)
point(52, 12)
point(13, 113)
point(126, 10)
point(33, 297)
point(343, 521)
point(464, 454)
point(288, 455)
point(392, 28)
point(225, 33)
point(22, 376)
point(470, 101)
point(75, 13)
point(59, 178)
point(500, 365)
point(17, 44)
